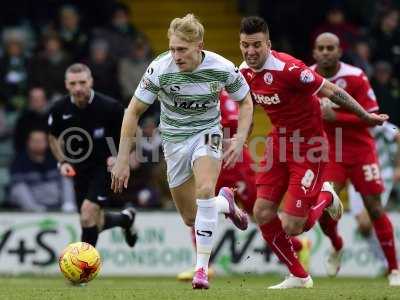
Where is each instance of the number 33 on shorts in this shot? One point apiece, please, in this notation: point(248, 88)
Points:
point(371, 172)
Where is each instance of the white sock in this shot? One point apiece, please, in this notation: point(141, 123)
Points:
point(222, 205)
point(205, 228)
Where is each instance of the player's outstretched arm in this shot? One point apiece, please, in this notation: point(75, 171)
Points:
point(120, 171)
point(343, 99)
point(232, 155)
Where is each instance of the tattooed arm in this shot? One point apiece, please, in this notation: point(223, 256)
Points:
point(343, 99)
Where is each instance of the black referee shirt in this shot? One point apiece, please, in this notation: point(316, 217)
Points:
point(84, 131)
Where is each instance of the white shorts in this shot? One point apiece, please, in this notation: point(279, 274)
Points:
point(181, 156)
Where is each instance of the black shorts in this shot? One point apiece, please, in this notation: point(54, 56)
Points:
point(93, 185)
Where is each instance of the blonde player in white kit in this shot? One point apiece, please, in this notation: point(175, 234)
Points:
point(187, 81)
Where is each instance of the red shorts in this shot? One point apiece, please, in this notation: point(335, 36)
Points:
point(301, 180)
point(242, 177)
point(365, 175)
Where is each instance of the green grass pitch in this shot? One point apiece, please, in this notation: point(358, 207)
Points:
point(230, 288)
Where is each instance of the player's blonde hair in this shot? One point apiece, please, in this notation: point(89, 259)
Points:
point(187, 28)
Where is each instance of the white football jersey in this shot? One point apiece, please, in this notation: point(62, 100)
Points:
point(190, 100)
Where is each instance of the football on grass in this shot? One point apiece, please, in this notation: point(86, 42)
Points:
point(80, 262)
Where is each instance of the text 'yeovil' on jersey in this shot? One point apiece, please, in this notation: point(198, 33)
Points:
point(190, 100)
point(356, 138)
point(285, 87)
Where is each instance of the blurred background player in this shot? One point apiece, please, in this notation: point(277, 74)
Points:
point(387, 141)
point(359, 161)
point(79, 125)
point(187, 81)
point(296, 149)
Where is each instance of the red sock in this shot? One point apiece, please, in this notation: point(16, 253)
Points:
point(384, 232)
point(329, 227)
point(324, 200)
point(282, 246)
point(297, 244)
point(193, 235)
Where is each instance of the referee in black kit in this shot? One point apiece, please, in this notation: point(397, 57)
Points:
point(83, 127)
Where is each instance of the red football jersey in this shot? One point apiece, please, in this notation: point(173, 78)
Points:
point(356, 137)
point(229, 113)
point(286, 88)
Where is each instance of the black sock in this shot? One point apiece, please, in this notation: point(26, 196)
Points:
point(115, 219)
point(90, 235)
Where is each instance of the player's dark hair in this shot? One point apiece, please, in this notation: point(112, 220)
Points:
point(253, 24)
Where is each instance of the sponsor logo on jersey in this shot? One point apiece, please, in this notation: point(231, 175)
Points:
point(194, 105)
point(98, 133)
point(66, 117)
point(306, 76)
point(174, 88)
point(206, 233)
point(268, 79)
point(371, 94)
point(144, 83)
point(214, 87)
point(292, 67)
point(268, 100)
point(341, 83)
point(150, 71)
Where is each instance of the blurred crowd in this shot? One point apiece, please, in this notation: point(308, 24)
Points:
point(33, 60)
point(36, 49)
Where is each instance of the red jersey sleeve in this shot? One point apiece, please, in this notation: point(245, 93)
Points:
point(229, 112)
point(302, 78)
point(365, 95)
point(344, 118)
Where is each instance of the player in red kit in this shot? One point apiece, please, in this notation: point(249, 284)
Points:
point(242, 176)
point(296, 150)
point(359, 161)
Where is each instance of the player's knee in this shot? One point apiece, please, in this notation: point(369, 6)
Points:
point(364, 224)
point(292, 228)
point(365, 229)
point(375, 211)
point(264, 214)
point(88, 216)
point(87, 220)
point(205, 191)
point(373, 206)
